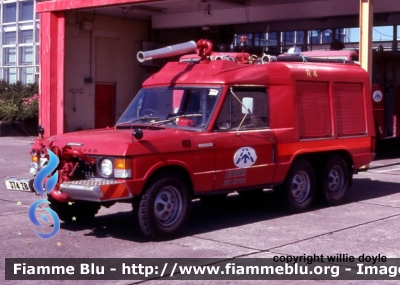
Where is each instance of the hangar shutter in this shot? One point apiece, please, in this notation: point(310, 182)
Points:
point(349, 102)
point(313, 109)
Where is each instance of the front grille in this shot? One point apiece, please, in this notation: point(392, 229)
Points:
point(89, 170)
point(90, 183)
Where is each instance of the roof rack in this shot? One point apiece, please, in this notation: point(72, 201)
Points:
point(300, 58)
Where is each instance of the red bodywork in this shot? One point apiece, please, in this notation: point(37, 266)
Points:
point(206, 157)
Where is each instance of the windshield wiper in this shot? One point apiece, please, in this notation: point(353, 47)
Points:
point(176, 117)
point(138, 119)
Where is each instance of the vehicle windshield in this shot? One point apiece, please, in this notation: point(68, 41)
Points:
point(181, 107)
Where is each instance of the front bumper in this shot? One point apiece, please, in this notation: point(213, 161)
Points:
point(96, 190)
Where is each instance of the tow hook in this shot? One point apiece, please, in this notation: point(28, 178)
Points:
point(60, 196)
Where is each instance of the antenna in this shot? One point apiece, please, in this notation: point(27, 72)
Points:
point(265, 46)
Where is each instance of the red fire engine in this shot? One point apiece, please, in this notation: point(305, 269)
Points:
point(386, 93)
point(215, 123)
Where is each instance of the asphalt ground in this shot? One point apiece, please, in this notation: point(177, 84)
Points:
point(367, 223)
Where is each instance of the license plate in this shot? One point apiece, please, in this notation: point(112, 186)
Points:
point(18, 184)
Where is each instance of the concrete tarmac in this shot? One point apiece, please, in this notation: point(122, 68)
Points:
point(367, 223)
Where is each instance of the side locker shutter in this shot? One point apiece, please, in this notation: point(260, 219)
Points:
point(313, 109)
point(349, 109)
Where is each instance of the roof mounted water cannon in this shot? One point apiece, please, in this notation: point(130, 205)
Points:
point(168, 51)
point(203, 48)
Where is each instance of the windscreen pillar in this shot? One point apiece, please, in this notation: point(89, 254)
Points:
point(366, 22)
point(51, 103)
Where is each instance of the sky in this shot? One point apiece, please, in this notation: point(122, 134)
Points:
point(378, 34)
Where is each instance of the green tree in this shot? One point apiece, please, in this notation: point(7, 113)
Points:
point(18, 102)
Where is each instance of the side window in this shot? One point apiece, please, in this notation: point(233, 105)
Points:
point(233, 115)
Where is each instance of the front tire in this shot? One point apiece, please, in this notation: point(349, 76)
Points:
point(164, 207)
point(335, 180)
point(74, 212)
point(299, 186)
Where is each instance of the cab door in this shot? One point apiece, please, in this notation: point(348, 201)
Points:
point(244, 142)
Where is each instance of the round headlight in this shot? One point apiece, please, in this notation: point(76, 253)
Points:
point(34, 152)
point(33, 168)
point(106, 167)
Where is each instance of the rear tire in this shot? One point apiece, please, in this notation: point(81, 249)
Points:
point(164, 207)
point(335, 180)
point(299, 186)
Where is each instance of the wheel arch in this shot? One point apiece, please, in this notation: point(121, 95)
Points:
point(317, 159)
point(170, 169)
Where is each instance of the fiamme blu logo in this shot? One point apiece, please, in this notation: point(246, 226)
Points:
point(41, 189)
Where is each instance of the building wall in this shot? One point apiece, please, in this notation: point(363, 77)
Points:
point(100, 49)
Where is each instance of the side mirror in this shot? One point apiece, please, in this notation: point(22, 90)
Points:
point(137, 134)
point(247, 105)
